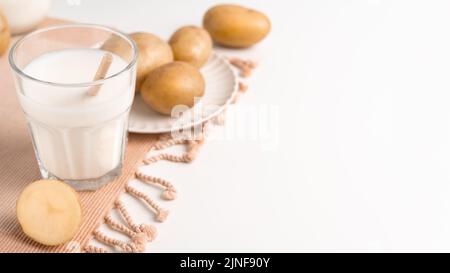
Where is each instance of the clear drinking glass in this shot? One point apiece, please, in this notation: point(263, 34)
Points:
point(78, 137)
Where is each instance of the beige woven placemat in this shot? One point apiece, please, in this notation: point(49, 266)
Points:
point(18, 168)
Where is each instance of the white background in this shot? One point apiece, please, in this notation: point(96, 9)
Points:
point(362, 162)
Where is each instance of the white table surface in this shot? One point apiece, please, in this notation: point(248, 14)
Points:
point(359, 158)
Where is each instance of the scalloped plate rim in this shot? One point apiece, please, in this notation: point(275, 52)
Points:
point(235, 84)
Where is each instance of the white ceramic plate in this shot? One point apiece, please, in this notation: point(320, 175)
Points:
point(221, 86)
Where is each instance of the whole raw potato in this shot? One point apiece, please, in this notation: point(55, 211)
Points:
point(192, 45)
point(236, 26)
point(173, 84)
point(5, 35)
point(118, 46)
point(153, 53)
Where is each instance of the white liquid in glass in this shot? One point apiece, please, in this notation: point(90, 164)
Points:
point(77, 136)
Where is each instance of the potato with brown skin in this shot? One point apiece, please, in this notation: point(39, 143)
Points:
point(118, 46)
point(192, 45)
point(236, 26)
point(153, 53)
point(173, 84)
point(5, 35)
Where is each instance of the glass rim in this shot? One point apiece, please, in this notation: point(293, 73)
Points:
point(124, 36)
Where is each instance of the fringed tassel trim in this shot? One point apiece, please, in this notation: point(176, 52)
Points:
point(141, 235)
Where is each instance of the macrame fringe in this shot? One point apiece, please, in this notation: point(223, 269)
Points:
point(141, 234)
point(246, 67)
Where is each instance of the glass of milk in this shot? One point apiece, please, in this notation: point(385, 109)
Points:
point(78, 137)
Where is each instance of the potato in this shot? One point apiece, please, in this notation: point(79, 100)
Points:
point(119, 47)
point(153, 52)
point(49, 212)
point(173, 84)
point(5, 35)
point(236, 26)
point(192, 45)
